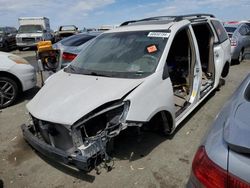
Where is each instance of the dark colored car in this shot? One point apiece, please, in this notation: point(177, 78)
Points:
point(7, 38)
point(223, 159)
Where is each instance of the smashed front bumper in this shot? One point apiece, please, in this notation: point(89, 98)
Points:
point(83, 145)
point(76, 159)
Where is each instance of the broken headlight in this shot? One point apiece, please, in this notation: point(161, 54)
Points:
point(110, 120)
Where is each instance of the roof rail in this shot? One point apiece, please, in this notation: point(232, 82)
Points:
point(181, 17)
point(174, 18)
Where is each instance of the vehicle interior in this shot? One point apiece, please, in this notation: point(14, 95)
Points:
point(180, 62)
point(205, 40)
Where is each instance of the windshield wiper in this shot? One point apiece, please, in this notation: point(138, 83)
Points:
point(139, 72)
point(96, 74)
point(70, 69)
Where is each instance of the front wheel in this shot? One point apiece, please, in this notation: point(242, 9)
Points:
point(8, 92)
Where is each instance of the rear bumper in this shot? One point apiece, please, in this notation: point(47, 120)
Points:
point(56, 154)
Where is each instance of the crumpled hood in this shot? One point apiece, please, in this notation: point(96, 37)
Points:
point(65, 98)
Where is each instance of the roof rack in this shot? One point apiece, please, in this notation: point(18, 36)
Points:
point(173, 18)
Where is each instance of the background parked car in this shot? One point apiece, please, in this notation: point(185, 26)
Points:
point(239, 34)
point(32, 30)
point(245, 22)
point(7, 38)
point(71, 46)
point(66, 31)
point(16, 75)
point(223, 158)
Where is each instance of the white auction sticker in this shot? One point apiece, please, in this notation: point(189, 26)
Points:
point(158, 34)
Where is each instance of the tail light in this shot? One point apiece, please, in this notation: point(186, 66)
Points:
point(68, 56)
point(211, 175)
point(233, 42)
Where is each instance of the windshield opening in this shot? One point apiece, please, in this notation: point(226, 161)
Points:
point(30, 29)
point(123, 54)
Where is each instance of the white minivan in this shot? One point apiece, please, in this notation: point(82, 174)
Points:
point(152, 70)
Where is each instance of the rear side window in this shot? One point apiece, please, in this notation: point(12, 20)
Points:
point(220, 31)
point(230, 29)
point(243, 30)
point(76, 40)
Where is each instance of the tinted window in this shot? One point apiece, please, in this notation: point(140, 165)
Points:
point(76, 40)
point(7, 30)
point(248, 24)
point(243, 30)
point(13, 30)
point(1, 30)
point(230, 29)
point(221, 33)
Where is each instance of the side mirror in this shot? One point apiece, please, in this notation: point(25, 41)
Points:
point(45, 31)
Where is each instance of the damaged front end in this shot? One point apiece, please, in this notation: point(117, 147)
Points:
point(82, 143)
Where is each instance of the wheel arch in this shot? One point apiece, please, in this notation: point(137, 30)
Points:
point(159, 117)
point(225, 70)
point(15, 78)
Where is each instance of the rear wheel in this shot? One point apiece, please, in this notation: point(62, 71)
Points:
point(8, 91)
point(6, 47)
point(20, 48)
point(241, 56)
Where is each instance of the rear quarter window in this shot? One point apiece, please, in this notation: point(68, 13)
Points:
point(243, 30)
point(76, 40)
point(220, 31)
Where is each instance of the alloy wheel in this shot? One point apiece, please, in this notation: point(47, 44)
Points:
point(7, 93)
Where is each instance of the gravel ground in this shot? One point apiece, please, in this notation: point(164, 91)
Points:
point(147, 160)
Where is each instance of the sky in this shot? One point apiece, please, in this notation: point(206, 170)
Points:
point(94, 13)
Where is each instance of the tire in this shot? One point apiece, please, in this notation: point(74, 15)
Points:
point(6, 47)
point(241, 56)
point(20, 48)
point(8, 92)
point(225, 70)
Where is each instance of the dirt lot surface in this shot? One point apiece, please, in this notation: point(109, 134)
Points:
point(148, 160)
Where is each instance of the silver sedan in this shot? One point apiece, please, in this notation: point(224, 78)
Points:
point(239, 34)
point(223, 160)
point(71, 46)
